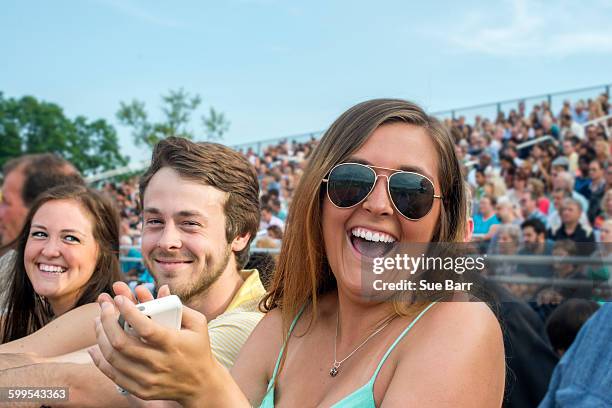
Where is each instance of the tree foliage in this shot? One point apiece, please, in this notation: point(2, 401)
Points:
point(177, 110)
point(31, 126)
point(215, 124)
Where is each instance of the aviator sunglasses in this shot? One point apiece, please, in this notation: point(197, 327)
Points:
point(349, 184)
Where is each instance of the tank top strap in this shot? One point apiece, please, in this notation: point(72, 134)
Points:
point(399, 338)
point(282, 350)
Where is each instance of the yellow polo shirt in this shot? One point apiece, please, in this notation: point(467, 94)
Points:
point(229, 331)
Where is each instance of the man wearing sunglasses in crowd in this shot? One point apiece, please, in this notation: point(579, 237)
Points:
point(198, 221)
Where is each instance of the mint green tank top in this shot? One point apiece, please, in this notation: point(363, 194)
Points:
point(363, 396)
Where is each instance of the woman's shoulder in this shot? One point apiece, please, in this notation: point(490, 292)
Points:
point(459, 331)
point(303, 317)
point(471, 313)
point(271, 322)
point(458, 344)
point(257, 358)
point(267, 337)
point(461, 321)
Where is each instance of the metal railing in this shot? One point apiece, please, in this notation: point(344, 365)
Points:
point(559, 282)
point(598, 120)
point(534, 141)
point(548, 97)
point(548, 259)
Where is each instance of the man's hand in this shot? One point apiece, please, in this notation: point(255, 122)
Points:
point(142, 293)
point(160, 363)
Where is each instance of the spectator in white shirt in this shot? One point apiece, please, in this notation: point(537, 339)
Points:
point(268, 219)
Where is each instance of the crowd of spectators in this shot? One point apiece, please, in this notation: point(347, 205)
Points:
point(541, 184)
point(537, 177)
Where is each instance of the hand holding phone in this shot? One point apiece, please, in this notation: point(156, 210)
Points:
point(166, 311)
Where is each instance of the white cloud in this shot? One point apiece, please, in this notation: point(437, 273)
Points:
point(533, 28)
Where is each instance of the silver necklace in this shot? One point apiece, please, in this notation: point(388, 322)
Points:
point(336, 366)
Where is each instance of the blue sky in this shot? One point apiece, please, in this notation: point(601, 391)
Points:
point(279, 68)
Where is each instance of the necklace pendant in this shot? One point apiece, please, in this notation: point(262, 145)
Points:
point(333, 372)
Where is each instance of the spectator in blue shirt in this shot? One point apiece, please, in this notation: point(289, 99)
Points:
point(582, 377)
point(130, 268)
point(580, 114)
point(486, 216)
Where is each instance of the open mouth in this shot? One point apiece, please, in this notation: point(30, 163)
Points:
point(371, 244)
point(52, 269)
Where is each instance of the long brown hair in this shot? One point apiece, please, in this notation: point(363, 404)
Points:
point(24, 310)
point(303, 270)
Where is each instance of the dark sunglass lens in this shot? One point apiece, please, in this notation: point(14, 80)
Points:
point(412, 194)
point(349, 184)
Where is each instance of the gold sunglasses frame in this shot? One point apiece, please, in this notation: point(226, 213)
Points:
point(388, 177)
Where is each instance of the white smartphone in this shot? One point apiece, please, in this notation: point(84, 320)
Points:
point(167, 311)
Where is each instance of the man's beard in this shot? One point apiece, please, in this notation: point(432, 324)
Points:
point(207, 276)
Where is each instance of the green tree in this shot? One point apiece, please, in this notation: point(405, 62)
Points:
point(134, 115)
point(99, 141)
point(177, 109)
point(11, 144)
point(31, 126)
point(178, 106)
point(215, 124)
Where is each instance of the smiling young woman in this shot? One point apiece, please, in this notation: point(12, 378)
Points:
point(67, 254)
point(384, 174)
point(414, 196)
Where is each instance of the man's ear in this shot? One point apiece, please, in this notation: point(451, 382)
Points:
point(240, 242)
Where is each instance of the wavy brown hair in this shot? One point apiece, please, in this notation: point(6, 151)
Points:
point(303, 271)
point(24, 310)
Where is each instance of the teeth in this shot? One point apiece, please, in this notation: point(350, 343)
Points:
point(372, 236)
point(51, 268)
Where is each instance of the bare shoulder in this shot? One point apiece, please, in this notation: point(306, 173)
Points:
point(272, 320)
point(476, 316)
point(462, 330)
point(267, 337)
point(456, 351)
point(257, 358)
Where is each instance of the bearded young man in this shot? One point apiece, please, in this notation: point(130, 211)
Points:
point(200, 205)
